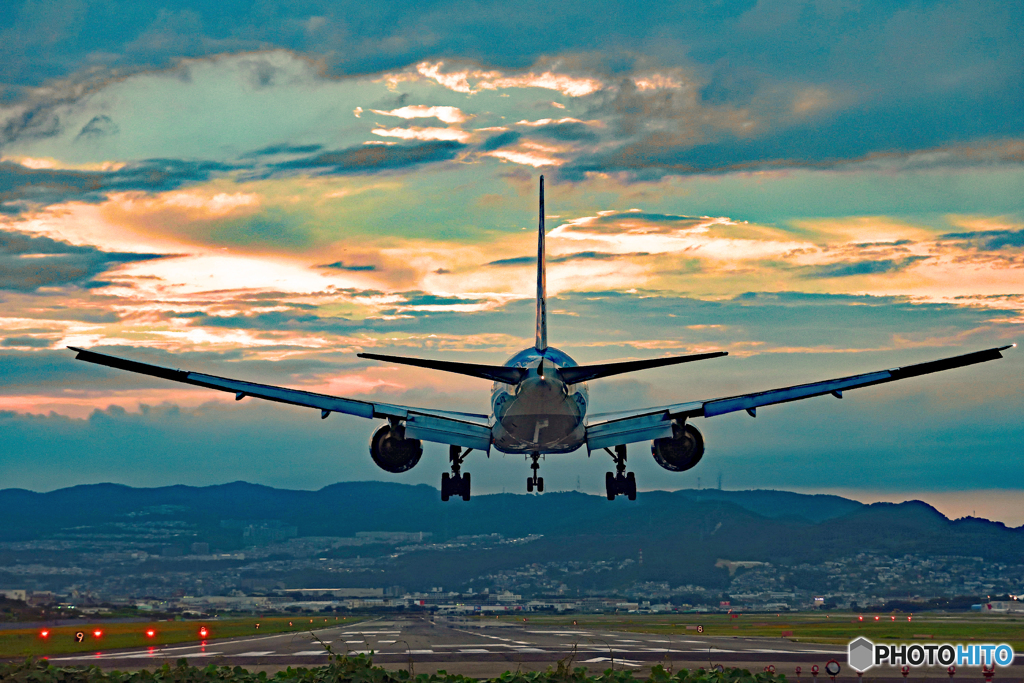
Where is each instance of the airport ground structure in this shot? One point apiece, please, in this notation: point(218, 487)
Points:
point(956, 584)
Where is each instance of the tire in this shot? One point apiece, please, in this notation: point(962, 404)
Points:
point(631, 486)
point(465, 486)
point(445, 486)
point(609, 485)
point(540, 484)
point(529, 484)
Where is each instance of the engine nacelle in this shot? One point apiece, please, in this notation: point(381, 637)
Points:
point(681, 451)
point(392, 452)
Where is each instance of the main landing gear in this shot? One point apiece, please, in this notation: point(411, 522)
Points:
point(535, 482)
point(455, 484)
point(622, 482)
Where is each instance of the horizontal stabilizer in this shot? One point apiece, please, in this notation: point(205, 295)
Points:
point(585, 373)
point(495, 373)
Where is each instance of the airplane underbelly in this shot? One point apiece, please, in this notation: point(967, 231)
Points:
point(549, 424)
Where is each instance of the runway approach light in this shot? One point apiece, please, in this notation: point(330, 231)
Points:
point(203, 632)
point(97, 633)
point(876, 618)
point(861, 617)
point(150, 633)
point(44, 634)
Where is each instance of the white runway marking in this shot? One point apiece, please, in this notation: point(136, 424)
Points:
point(625, 662)
point(420, 652)
point(475, 651)
point(529, 649)
point(306, 653)
point(386, 642)
point(484, 635)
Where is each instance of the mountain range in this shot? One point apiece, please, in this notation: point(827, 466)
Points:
point(681, 535)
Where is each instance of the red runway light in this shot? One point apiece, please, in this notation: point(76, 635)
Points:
point(894, 618)
point(203, 632)
point(44, 634)
point(876, 618)
point(908, 618)
point(150, 633)
point(97, 633)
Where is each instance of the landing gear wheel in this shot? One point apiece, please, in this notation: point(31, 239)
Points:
point(455, 483)
point(622, 482)
point(534, 482)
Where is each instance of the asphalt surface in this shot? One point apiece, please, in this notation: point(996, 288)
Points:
point(482, 649)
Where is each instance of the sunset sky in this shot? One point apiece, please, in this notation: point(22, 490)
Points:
point(263, 189)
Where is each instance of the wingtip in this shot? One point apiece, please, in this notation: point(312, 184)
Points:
point(76, 349)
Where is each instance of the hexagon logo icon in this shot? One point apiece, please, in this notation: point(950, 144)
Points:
point(861, 654)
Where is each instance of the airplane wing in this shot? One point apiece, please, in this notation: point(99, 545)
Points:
point(612, 429)
point(469, 430)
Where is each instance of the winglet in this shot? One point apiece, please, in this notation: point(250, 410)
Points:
point(542, 313)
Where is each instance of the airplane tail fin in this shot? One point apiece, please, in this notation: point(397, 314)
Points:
point(542, 296)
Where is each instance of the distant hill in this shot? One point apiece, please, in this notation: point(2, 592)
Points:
point(681, 533)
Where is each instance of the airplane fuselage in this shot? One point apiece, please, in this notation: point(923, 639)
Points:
point(541, 414)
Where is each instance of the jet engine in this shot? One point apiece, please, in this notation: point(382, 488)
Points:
point(392, 452)
point(681, 451)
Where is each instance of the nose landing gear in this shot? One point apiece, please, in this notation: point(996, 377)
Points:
point(455, 484)
point(535, 482)
point(621, 483)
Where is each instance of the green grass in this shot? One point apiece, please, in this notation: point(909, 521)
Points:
point(836, 628)
point(61, 639)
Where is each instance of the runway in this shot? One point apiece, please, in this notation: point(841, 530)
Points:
point(487, 649)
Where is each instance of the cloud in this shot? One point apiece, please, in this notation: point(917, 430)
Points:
point(861, 267)
point(375, 158)
point(500, 140)
point(419, 111)
point(515, 261)
point(98, 126)
point(274, 150)
point(41, 186)
point(574, 131)
point(28, 262)
point(28, 342)
point(469, 80)
point(340, 265)
point(423, 133)
point(988, 240)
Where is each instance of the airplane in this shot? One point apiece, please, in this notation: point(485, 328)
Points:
point(539, 401)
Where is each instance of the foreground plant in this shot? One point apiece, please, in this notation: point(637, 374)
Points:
point(356, 669)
